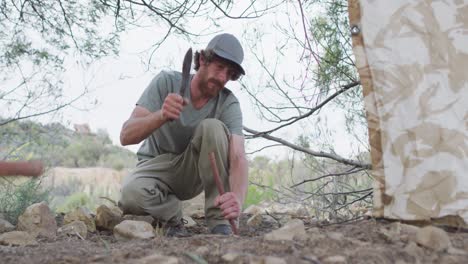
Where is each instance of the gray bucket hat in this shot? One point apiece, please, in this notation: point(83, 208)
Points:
point(228, 47)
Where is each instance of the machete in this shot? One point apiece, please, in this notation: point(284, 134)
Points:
point(186, 72)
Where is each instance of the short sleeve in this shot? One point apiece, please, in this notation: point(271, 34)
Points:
point(231, 116)
point(154, 95)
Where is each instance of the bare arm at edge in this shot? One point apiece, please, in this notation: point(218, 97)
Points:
point(140, 125)
point(143, 122)
point(238, 173)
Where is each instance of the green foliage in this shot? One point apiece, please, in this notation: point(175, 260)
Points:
point(256, 195)
point(74, 201)
point(58, 146)
point(17, 195)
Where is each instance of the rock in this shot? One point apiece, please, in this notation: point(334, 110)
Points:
point(81, 214)
point(189, 222)
point(230, 257)
point(75, 228)
point(300, 212)
point(254, 209)
point(283, 219)
point(17, 238)
point(414, 250)
point(194, 207)
point(157, 258)
point(255, 221)
point(267, 260)
point(403, 232)
point(195, 211)
point(38, 220)
point(145, 218)
point(335, 235)
point(433, 238)
point(334, 259)
point(107, 218)
point(293, 228)
point(203, 250)
point(456, 251)
point(129, 229)
point(5, 226)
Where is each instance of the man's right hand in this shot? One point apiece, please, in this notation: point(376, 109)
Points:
point(173, 106)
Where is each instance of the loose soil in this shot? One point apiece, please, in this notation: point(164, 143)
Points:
point(362, 241)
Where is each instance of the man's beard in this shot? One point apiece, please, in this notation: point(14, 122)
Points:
point(205, 86)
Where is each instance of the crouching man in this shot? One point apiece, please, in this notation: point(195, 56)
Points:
point(179, 132)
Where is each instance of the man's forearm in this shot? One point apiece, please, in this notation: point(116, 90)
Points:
point(137, 129)
point(238, 178)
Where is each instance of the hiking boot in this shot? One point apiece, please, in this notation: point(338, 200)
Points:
point(177, 229)
point(221, 229)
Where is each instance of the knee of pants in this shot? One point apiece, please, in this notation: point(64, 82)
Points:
point(133, 197)
point(212, 129)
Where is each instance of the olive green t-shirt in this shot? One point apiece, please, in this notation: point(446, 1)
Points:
point(174, 136)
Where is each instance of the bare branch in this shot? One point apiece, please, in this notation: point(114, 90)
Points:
point(313, 110)
point(308, 151)
point(348, 172)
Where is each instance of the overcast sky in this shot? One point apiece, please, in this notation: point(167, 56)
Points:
point(117, 83)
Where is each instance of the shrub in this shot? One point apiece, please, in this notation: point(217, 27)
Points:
point(75, 200)
point(16, 194)
point(255, 195)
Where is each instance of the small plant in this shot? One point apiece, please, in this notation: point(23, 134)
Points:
point(74, 201)
point(256, 195)
point(17, 194)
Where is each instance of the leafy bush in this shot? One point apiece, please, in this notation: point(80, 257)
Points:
point(17, 194)
point(75, 200)
point(57, 146)
point(256, 195)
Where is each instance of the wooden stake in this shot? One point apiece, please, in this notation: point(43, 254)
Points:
point(214, 167)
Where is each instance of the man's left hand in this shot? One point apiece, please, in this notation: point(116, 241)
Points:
point(229, 204)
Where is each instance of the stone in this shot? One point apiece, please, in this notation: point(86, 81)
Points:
point(267, 260)
point(433, 238)
point(230, 257)
point(81, 214)
point(6, 226)
point(414, 250)
point(145, 218)
point(335, 236)
point(75, 228)
point(404, 232)
point(194, 207)
point(293, 228)
point(157, 258)
point(254, 209)
point(203, 250)
point(300, 212)
point(107, 218)
point(255, 220)
point(129, 229)
point(189, 222)
point(334, 259)
point(456, 251)
point(38, 220)
point(17, 238)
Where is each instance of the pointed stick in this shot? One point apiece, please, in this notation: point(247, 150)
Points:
point(214, 167)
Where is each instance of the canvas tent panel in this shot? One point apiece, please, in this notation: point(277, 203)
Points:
point(412, 57)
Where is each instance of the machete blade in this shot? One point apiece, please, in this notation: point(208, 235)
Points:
point(186, 72)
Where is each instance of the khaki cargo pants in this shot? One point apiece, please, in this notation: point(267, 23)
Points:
point(157, 186)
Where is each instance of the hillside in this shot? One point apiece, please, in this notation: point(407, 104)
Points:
point(59, 146)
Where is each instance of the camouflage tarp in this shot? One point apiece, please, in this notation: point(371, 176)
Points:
point(412, 57)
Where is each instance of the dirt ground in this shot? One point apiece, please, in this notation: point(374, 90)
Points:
point(362, 241)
